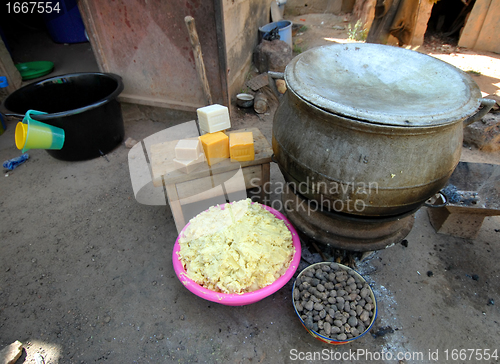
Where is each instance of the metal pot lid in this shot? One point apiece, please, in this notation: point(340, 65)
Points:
point(383, 85)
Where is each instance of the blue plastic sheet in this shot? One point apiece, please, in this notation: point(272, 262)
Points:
point(14, 162)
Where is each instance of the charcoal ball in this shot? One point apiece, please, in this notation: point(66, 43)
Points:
point(341, 337)
point(353, 321)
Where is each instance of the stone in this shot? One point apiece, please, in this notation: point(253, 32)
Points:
point(281, 86)
point(484, 134)
point(129, 143)
point(11, 353)
point(272, 56)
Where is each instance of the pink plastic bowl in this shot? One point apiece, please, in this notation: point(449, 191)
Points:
point(245, 298)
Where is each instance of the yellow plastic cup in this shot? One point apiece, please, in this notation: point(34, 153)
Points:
point(21, 132)
point(33, 134)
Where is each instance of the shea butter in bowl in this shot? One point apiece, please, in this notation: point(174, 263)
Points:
point(221, 254)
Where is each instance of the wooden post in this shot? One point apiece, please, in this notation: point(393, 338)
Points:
point(175, 206)
point(423, 16)
point(265, 198)
point(381, 26)
point(198, 57)
point(364, 10)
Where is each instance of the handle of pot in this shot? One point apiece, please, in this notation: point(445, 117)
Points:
point(443, 197)
point(278, 75)
point(486, 104)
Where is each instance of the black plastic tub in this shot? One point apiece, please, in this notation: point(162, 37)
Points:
point(84, 105)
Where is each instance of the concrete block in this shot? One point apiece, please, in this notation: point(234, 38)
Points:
point(463, 225)
point(472, 194)
point(272, 56)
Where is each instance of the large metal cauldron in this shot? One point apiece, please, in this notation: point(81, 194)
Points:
point(372, 130)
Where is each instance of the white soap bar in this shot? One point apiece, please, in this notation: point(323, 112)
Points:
point(213, 118)
point(187, 166)
point(187, 149)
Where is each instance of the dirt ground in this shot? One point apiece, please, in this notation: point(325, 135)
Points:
point(86, 272)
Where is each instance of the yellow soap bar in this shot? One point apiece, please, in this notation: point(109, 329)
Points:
point(241, 148)
point(215, 146)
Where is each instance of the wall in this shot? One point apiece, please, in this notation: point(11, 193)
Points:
point(482, 27)
point(299, 7)
point(242, 19)
point(147, 44)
